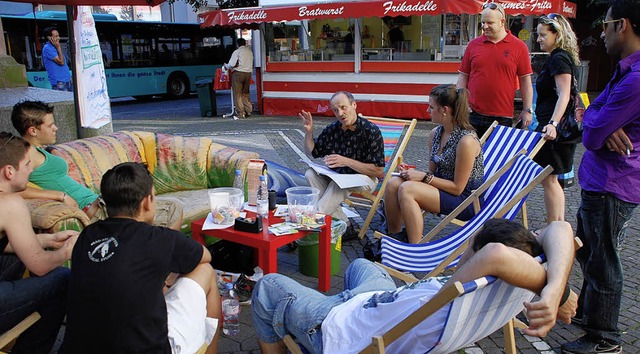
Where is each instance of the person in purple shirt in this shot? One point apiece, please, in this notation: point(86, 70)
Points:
point(608, 174)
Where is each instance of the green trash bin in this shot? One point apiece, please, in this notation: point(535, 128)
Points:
point(206, 97)
point(308, 250)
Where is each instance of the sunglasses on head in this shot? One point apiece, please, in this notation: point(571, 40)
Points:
point(6, 135)
point(494, 6)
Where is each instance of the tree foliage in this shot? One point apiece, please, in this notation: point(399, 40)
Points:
point(232, 4)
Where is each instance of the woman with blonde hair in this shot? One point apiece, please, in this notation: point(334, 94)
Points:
point(456, 167)
point(555, 88)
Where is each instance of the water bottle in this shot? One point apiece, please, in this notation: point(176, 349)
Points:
point(263, 197)
point(239, 183)
point(230, 311)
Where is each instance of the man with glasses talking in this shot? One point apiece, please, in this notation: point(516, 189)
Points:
point(610, 165)
point(491, 66)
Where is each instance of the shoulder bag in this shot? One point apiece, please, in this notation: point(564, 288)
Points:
point(569, 130)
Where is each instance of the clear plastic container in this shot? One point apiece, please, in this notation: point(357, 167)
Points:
point(225, 204)
point(302, 203)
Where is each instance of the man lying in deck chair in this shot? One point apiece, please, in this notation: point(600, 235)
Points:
point(371, 304)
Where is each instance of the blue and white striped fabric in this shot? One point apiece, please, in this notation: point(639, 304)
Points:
point(486, 305)
point(424, 257)
point(502, 144)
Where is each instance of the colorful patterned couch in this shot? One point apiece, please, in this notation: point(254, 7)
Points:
point(183, 168)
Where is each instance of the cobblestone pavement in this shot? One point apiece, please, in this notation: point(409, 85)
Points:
point(279, 139)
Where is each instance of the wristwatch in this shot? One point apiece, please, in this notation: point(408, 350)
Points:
point(554, 123)
point(528, 110)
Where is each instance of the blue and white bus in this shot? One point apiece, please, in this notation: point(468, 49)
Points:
point(142, 59)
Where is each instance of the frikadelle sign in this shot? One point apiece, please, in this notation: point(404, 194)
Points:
point(376, 8)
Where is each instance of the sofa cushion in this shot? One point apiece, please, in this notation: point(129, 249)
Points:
point(195, 203)
point(90, 158)
point(52, 215)
point(177, 163)
point(223, 162)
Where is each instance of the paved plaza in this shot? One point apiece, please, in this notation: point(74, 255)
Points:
point(280, 139)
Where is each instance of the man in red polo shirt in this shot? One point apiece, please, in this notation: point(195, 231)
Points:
point(489, 68)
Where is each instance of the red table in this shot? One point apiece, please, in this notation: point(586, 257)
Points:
point(267, 244)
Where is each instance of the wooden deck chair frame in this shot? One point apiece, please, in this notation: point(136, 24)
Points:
point(506, 209)
point(372, 200)
point(12, 334)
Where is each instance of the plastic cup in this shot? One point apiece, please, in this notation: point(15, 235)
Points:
point(225, 204)
point(302, 203)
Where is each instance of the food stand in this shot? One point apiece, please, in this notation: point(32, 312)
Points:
point(388, 53)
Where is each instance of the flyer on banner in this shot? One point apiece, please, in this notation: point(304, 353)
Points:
point(92, 95)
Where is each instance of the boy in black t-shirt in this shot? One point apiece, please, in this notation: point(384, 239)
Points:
point(116, 302)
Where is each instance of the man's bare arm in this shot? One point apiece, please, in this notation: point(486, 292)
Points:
point(307, 125)
point(16, 222)
point(463, 79)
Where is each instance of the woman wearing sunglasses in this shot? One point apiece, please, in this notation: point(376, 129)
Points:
point(456, 168)
point(554, 86)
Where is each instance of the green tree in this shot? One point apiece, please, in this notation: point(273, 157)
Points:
point(232, 4)
point(196, 4)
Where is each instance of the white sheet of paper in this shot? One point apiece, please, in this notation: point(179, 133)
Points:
point(210, 225)
point(343, 181)
point(349, 213)
point(281, 210)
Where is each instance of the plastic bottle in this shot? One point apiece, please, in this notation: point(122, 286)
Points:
point(230, 311)
point(239, 183)
point(262, 199)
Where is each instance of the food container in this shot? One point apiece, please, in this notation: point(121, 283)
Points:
point(302, 203)
point(226, 203)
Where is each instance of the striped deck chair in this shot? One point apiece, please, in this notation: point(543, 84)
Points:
point(512, 183)
point(499, 144)
point(476, 309)
point(396, 134)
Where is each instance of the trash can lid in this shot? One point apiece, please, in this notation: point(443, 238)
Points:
point(204, 82)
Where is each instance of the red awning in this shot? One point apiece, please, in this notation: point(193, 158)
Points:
point(377, 8)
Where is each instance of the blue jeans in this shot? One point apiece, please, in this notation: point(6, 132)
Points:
point(48, 296)
point(602, 223)
point(63, 86)
point(482, 122)
point(283, 306)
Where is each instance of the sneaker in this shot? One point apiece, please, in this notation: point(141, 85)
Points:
point(236, 117)
point(244, 288)
point(584, 345)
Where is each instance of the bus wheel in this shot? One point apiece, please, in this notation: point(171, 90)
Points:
point(178, 86)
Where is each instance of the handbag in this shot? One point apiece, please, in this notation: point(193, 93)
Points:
point(569, 130)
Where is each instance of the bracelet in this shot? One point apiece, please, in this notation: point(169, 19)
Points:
point(64, 196)
point(428, 177)
point(565, 295)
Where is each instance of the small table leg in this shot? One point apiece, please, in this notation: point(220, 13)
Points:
point(324, 257)
point(196, 233)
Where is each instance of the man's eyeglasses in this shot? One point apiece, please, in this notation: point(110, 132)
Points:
point(605, 23)
point(494, 6)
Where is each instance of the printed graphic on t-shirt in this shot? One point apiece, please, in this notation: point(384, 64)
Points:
point(103, 249)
